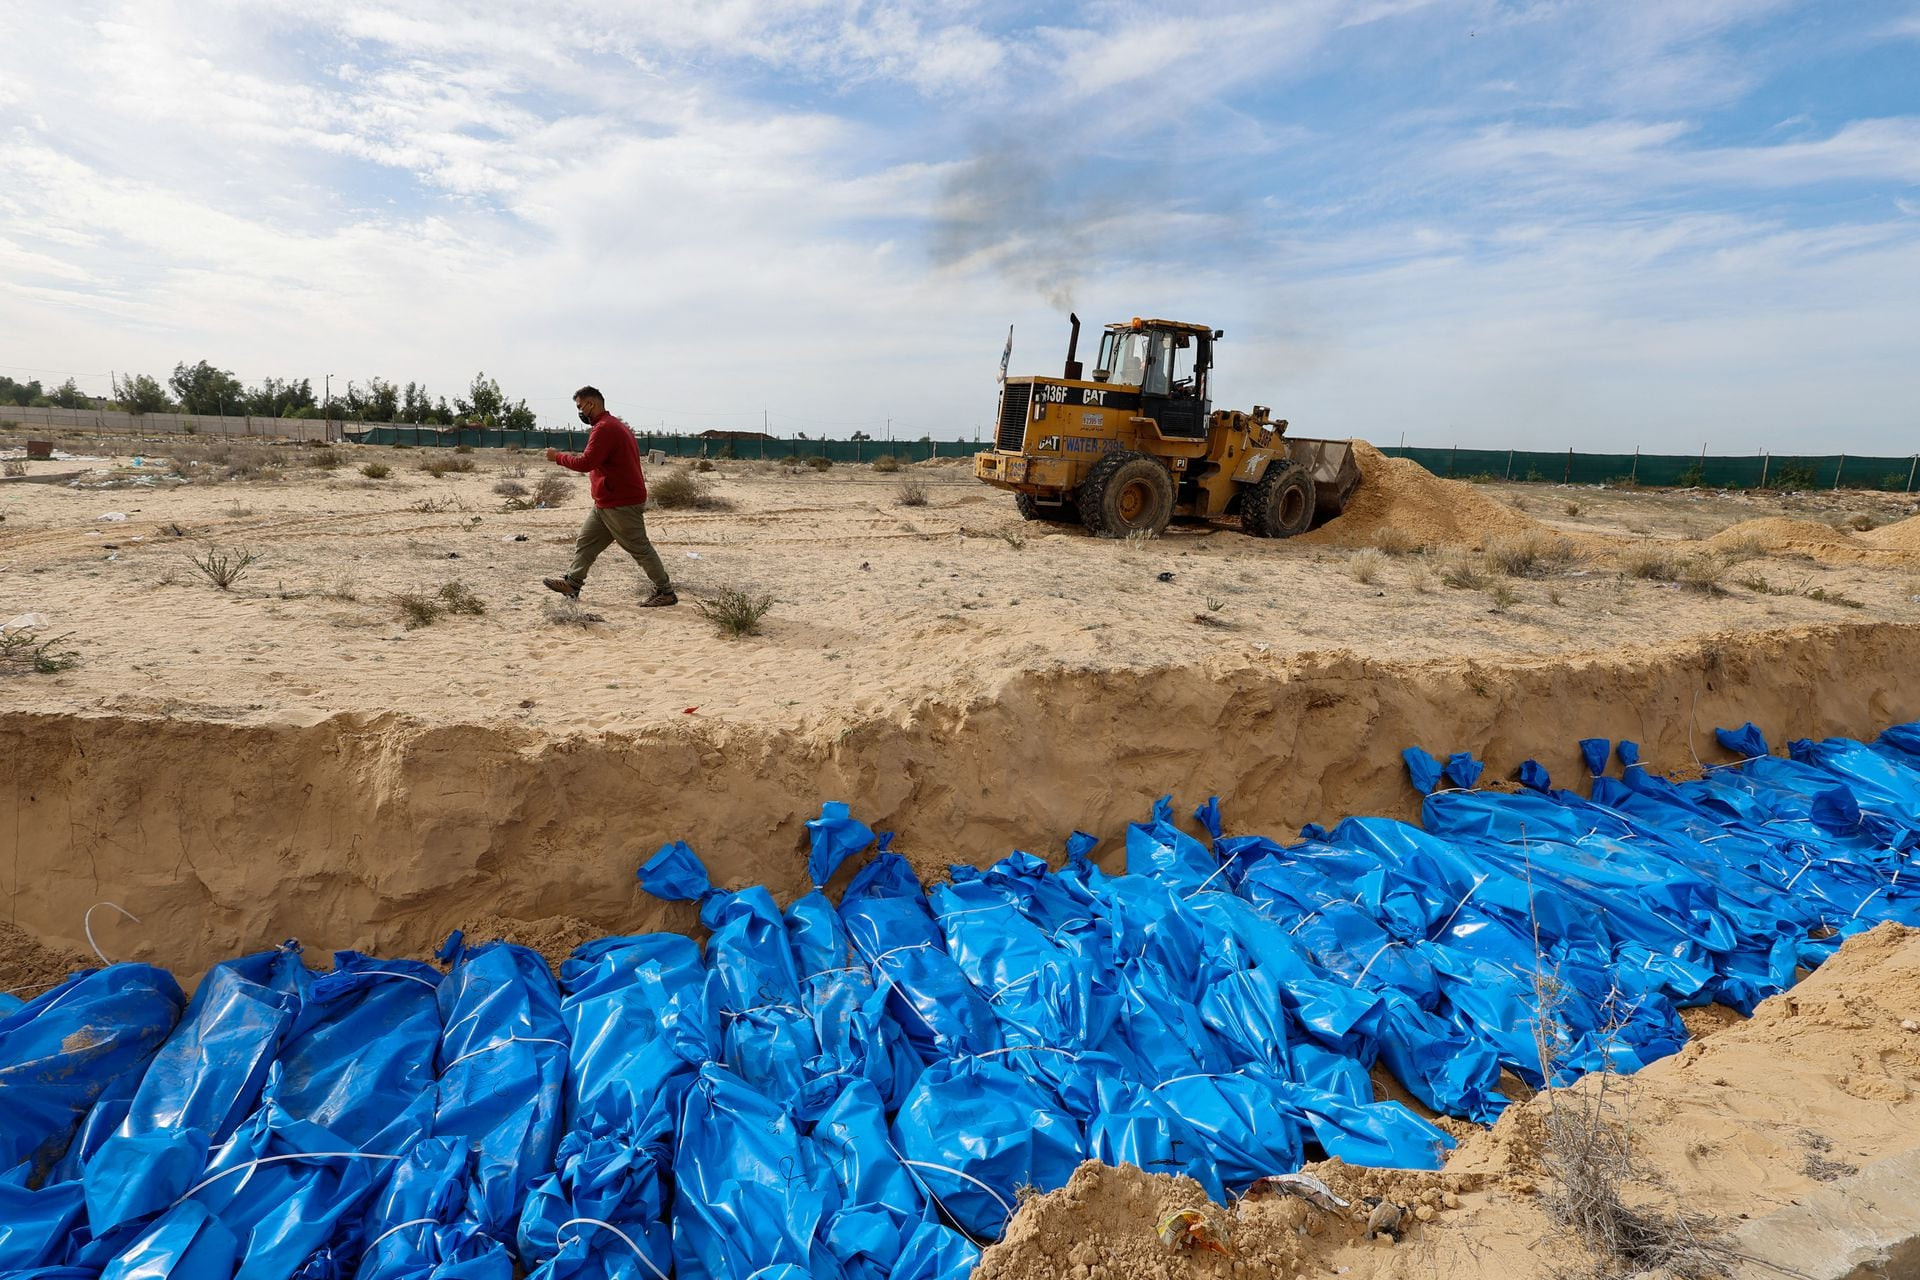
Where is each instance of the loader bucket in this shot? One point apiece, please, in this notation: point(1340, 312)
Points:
point(1335, 473)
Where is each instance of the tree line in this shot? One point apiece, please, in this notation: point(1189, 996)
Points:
point(202, 389)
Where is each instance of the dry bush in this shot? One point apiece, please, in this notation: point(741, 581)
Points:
point(682, 490)
point(1860, 522)
point(564, 612)
point(1465, 573)
point(1395, 542)
point(911, 493)
point(886, 463)
point(324, 459)
point(14, 467)
point(735, 612)
point(820, 462)
point(417, 608)
point(458, 597)
point(1503, 596)
point(510, 488)
point(376, 471)
point(223, 568)
point(440, 468)
point(1650, 561)
point(1364, 566)
point(1533, 555)
point(463, 448)
point(703, 466)
point(551, 491)
point(1572, 508)
point(1419, 577)
point(1703, 574)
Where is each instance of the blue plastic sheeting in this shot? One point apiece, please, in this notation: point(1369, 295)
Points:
point(858, 1091)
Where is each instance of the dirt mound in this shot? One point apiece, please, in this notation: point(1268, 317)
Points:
point(1734, 1126)
point(554, 937)
point(29, 966)
point(1902, 535)
point(1402, 499)
point(1782, 533)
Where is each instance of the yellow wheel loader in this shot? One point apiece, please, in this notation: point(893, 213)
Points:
point(1140, 443)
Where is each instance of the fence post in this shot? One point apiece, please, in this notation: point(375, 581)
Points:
point(1451, 455)
point(1910, 469)
point(1509, 464)
point(1633, 476)
point(1568, 477)
point(1838, 467)
point(1766, 459)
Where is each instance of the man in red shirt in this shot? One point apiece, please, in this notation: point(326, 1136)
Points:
point(612, 459)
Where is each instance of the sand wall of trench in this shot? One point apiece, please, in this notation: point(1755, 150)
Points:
point(383, 833)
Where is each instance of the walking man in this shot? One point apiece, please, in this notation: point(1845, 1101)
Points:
point(612, 459)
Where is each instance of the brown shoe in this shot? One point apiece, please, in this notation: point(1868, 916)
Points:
point(660, 599)
point(565, 588)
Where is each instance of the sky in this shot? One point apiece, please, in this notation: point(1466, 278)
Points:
point(1596, 224)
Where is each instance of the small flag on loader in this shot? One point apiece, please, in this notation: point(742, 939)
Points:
point(1006, 354)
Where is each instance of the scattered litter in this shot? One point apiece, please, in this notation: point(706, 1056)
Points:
point(514, 537)
point(25, 622)
point(693, 555)
point(1384, 1219)
point(453, 555)
point(113, 515)
point(1188, 1229)
point(1166, 577)
point(689, 711)
point(1305, 1186)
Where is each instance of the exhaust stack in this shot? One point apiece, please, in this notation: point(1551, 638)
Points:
point(1073, 346)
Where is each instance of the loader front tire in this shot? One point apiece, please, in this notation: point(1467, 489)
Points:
point(1279, 504)
point(1126, 493)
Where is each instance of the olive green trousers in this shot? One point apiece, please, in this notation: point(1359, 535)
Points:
point(625, 525)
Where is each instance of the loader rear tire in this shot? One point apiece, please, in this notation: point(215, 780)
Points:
point(1126, 493)
point(1279, 504)
point(1065, 513)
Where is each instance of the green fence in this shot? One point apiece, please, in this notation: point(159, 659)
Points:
point(678, 446)
point(1782, 471)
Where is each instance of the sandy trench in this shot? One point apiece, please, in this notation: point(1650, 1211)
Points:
point(288, 760)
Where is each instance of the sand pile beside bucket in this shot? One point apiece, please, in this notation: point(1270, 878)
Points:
point(1410, 501)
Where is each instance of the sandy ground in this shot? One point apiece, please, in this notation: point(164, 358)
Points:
point(875, 603)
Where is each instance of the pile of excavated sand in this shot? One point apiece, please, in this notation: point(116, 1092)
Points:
point(1821, 1082)
point(1903, 535)
point(1400, 498)
point(1782, 533)
point(29, 966)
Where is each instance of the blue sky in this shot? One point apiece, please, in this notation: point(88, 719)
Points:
point(1558, 223)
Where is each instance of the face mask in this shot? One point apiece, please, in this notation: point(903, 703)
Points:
point(586, 418)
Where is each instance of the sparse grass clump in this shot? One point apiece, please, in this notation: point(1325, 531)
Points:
point(551, 491)
point(417, 608)
point(440, 468)
point(1364, 566)
point(1860, 522)
point(458, 597)
point(1533, 555)
point(563, 612)
point(14, 467)
point(1464, 573)
point(886, 464)
point(24, 651)
point(703, 466)
point(1395, 542)
point(510, 488)
point(820, 462)
point(1504, 597)
point(735, 612)
point(912, 492)
point(324, 459)
point(223, 568)
point(376, 471)
point(1419, 577)
point(682, 491)
point(463, 448)
point(1744, 547)
point(1650, 562)
point(1703, 574)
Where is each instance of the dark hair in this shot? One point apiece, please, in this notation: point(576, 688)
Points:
point(589, 393)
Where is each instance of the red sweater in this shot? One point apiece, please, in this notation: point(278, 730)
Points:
point(612, 456)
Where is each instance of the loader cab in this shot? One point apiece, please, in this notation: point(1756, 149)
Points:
point(1169, 363)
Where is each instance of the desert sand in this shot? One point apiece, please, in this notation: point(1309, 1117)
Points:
point(288, 757)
